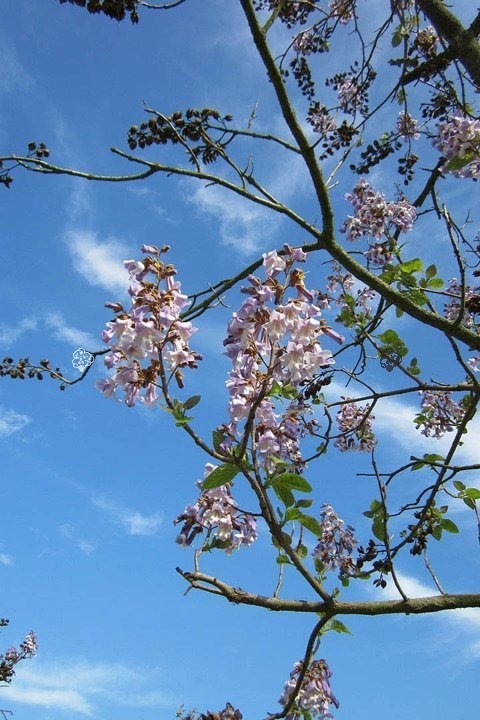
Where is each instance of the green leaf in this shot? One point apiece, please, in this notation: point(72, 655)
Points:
point(191, 402)
point(339, 627)
point(460, 486)
point(292, 481)
point(411, 266)
point(469, 503)
point(472, 493)
point(220, 476)
point(283, 560)
point(437, 533)
point(378, 528)
point(389, 337)
point(302, 551)
point(304, 503)
point(292, 513)
point(217, 439)
point(457, 163)
point(449, 526)
point(401, 96)
point(284, 495)
point(433, 458)
point(375, 506)
point(431, 271)
point(311, 524)
point(397, 38)
point(435, 283)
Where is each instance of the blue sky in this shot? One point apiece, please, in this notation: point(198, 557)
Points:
point(87, 551)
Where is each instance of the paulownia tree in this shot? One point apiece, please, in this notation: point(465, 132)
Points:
point(310, 366)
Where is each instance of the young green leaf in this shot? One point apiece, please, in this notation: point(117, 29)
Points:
point(220, 476)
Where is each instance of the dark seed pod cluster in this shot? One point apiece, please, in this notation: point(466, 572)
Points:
point(191, 127)
point(115, 9)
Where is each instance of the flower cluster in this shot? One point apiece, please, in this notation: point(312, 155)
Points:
point(349, 95)
point(27, 649)
point(228, 713)
point(355, 425)
point(342, 10)
point(407, 126)
point(453, 307)
point(379, 254)
point(315, 695)
point(440, 413)
point(474, 363)
point(336, 544)
point(320, 119)
point(215, 511)
point(340, 288)
point(458, 140)
point(274, 343)
point(373, 214)
point(427, 41)
point(304, 43)
point(149, 340)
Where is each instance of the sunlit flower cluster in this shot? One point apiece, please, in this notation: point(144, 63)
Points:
point(355, 425)
point(27, 649)
point(440, 413)
point(274, 341)
point(379, 254)
point(474, 363)
point(458, 140)
point(374, 215)
point(407, 126)
point(216, 512)
point(336, 544)
point(315, 696)
point(149, 339)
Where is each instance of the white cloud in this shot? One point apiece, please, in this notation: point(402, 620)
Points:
point(100, 263)
point(11, 422)
point(69, 334)
point(86, 547)
point(9, 335)
point(80, 686)
point(133, 522)
point(6, 559)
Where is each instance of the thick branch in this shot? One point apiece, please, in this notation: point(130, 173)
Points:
point(462, 42)
point(411, 606)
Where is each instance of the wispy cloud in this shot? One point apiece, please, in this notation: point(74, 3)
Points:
point(6, 559)
point(246, 225)
point(14, 77)
point(132, 521)
point(9, 334)
point(85, 546)
point(81, 686)
point(11, 422)
point(65, 332)
point(465, 621)
point(100, 263)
